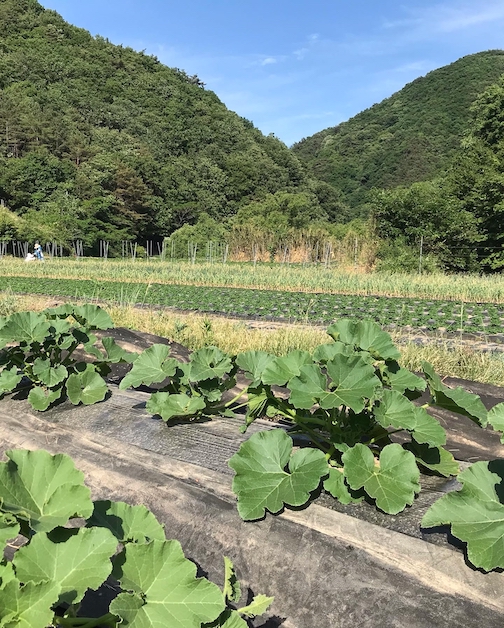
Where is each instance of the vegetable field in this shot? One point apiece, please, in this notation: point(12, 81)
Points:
point(292, 278)
point(346, 401)
point(312, 308)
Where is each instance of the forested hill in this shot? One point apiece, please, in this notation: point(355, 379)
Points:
point(408, 137)
point(100, 141)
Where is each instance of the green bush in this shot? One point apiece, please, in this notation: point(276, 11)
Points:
point(398, 257)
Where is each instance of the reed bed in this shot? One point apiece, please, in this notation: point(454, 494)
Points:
point(274, 276)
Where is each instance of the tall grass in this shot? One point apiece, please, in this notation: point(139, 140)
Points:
point(289, 277)
point(195, 331)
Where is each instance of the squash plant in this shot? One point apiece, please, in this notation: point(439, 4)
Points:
point(37, 353)
point(62, 557)
point(350, 426)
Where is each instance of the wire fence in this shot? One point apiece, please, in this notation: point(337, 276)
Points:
point(356, 252)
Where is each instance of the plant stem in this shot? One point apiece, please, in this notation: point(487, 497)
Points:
point(330, 452)
point(70, 350)
point(382, 436)
point(300, 420)
point(315, 438)
point(87, 622)
point(235, 399)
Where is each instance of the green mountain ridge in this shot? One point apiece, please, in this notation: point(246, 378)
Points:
point(407, 138)
point(100, 141)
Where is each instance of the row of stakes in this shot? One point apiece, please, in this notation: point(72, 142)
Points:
point(129, 250)
point(214, 251)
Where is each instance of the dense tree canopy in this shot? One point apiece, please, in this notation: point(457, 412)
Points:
point(460, 216)
point(411, 136)
point(427, 214)
point(476, 179)
point(100, 141)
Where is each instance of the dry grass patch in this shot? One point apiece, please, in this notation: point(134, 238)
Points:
point(232, 336)
point(195, 331)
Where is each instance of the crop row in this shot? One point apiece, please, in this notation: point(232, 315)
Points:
point(311, 308)
point(467, 288)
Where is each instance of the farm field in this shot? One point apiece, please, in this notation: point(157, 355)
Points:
point(319, 308)
point(453, 357)
point(285, 277)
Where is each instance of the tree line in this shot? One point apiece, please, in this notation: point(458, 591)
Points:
point(99, 142)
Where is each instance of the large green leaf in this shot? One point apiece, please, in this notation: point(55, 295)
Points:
point(168, 406)
point(81, 562)
point(47, 373)
point(395, 410)
point(496, 419)
point(152, 366)
point(86, 387)
point(392, 481)
point(365, 335)
point(165, 589)
point(282, 369)
point(41, 397)
point(9, 528)
point(335, 484)
point(254, 363)
point(44, 490)
point(129, 524)
point(59, 327)
point(209, 363)
point(114, 353)
point(400, 379)
point(261, 482)
point(9, 379)
point(212, 389)
point(24, 327)
point(60, 312)
point(354, 380)
point(310, 387)
point(455, 399)
point(90, 347)
point(434, 458)
point(7, 573)
point(325, 353)
point(428, 429)
point(92, 316)
point(475, 513)
point(28, 606)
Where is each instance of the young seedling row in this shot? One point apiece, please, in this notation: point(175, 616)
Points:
point(314, 308)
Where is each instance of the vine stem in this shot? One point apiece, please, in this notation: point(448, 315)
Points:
point(87, 622)
point(235, 399)
point(315, 438)
point(379, 438)
point(330, 453)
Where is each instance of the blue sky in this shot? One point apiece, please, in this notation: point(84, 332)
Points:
point(295, 67)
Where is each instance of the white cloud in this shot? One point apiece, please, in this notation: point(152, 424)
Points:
point(423, 22)
point(311, 41)
point(456, 19)
point(268, 61)
point(300, 54)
